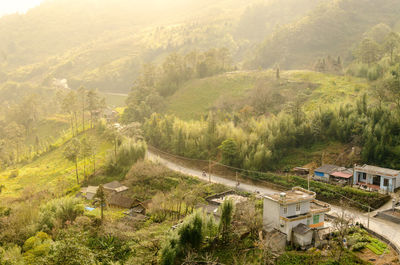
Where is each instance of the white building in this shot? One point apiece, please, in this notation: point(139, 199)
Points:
point(377, 178)
point(295, 213)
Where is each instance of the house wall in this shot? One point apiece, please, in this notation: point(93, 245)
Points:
point(271, 214)
point(291, 209)
point(320, 223)
point(288, 226)
point(321, 176)
point(303, 240)
point(393, 182)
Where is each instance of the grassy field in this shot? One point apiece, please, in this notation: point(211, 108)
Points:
point(114, 100)
point(50, 171)
point(330, 89)
point(198, 96)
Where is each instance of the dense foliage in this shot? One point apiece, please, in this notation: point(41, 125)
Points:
point(258, 143)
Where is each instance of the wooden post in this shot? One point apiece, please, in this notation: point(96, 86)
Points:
point(308, 182)
point(369, 209)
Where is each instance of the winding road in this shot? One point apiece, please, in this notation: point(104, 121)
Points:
point(385, 228)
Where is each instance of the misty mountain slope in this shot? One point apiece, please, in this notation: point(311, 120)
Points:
point(59, 25)
point(331, 29)
point(103, 45)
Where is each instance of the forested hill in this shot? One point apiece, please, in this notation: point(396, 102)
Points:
point(334, 28)
point(102, 44)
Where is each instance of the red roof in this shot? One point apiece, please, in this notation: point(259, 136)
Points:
point(342, 175)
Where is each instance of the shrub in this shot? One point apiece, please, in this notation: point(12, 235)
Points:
point(69, 251)
point(36, 247)
point(59, 211)
point(128, 153)
point(109, 248)
point(188, 236)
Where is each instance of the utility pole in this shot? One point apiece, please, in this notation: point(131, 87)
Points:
point(237, 181)
point(369, 209)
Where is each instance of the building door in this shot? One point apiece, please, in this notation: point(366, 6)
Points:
point(316, 219)
point(376, 180)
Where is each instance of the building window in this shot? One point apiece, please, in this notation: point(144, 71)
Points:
point(385, 182)
point(297, 207)
point(284, 210)
point(316, 219)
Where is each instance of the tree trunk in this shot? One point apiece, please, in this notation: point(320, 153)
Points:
point(76, 171)
point(83, 113)
point(76, 123)
point(115, 150)
point(72, 125)
point(91, 120)
point(101, 207)
point(94, 164)
point(84, 168)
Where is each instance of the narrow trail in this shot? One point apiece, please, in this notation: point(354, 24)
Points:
point(385, 228)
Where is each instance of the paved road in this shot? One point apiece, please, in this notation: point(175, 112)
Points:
point(382, 227)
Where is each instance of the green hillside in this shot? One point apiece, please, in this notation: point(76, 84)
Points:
point(199, 96)
point(50, 172)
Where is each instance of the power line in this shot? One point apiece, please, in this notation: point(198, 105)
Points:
point(253, 171)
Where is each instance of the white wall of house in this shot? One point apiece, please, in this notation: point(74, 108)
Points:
point(393, 183)
point(303, 240)
point(271, 214)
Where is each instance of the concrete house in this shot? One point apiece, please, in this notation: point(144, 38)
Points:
point(295, 213)
point(376, 178)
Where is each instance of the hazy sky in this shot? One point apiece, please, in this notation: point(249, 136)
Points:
point(20, 6)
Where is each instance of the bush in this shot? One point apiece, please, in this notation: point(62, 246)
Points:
point(127, 154)
point(358, 246)
point(58, 212)
point(188, 237)
point(69, 251)
point(36, 247)
point(109, 249)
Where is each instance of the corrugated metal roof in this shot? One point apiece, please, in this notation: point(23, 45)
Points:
point(328, 169)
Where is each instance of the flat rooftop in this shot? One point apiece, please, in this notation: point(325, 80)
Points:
point(297, 194)
point(318, 206)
